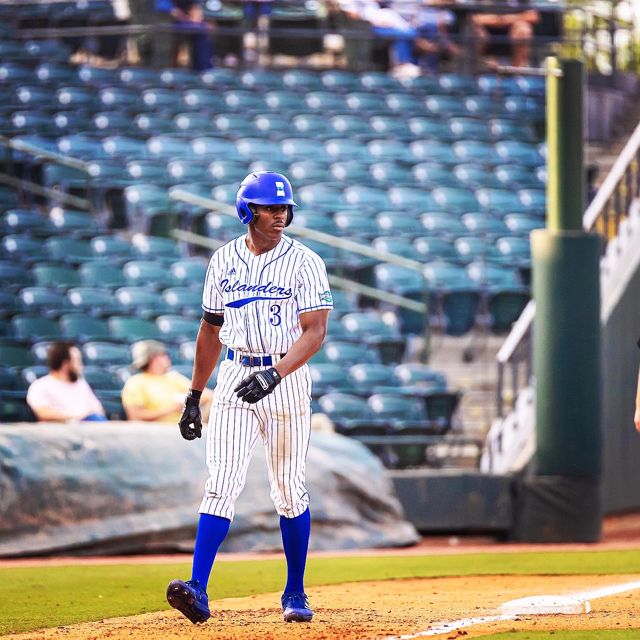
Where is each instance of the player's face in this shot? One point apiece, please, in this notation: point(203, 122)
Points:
point(271, 220)
point(74, 365)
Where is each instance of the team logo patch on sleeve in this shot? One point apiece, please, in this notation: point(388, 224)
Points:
point(325, 297)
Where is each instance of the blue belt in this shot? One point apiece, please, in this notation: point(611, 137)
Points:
point(252, 361)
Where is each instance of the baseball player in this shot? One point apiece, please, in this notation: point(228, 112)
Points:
point(266, 300)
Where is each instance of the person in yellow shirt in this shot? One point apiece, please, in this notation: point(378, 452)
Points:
point(156, 393)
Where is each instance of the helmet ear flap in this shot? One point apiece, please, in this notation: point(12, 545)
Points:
point(289, 216)
point(245, 212)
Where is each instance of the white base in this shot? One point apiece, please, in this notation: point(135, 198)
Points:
point(545, 605)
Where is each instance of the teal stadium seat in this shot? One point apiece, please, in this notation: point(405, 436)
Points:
point(132, 329)
point(434, 174)
point(69, 250)
point(367, 379)
point(55, 276)
point(300, 80)
point(483, 224)
point(388, 174)
point(472, 248)
point(339, 80)
point(371, 328)
point(310, 124)
point(152, 273)
point(149, 209)
point(17, 221)
point(179, 170)
point(301, 149)
point(179, 78)
point(328, 377)
point(16, 356)
point(475, 176)
point(119, 99)
point(94, 300)
point(500, 201)
point(150, 171)
point(404, 225)
point(362, 103)
point(163, 146)
point(189, 272)
point(348, 353)
point(515, 176)
point(282, 101)
point(101, 354)
point(351, 414)
point(390, 127)
point(470, 129)
point(176, 329)
point(145, 124)
point(403, 104)
point(513, 151)
point(125, 148)
point(389, 150)
point(184, 300)
point(272, 125)
point(73, 223)
point(378, 81)
point(21, 248)
point(41, 300)
point(141, 301)
point(443, 225)
point(241, 101)
point(428, 127)
point(523, 224)
point(151, 247)
point(397, 245)
point(99, 274)
point(411, 198)
point(316, 221)
point(366, 197)
point(475, 151)
point(433, 151)
point(80, 327)
point(30, 328)
point(455, 199)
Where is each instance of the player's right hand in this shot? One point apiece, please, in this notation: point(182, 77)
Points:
point(191, 419)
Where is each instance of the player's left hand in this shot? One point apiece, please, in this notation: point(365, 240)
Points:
point(258, 385)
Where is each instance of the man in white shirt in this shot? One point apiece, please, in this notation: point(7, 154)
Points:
point(63, 395)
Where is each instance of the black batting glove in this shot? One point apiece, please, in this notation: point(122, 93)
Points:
point(258, 385)
point(191, 419)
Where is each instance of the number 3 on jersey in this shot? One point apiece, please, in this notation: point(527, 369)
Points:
point(275, 318)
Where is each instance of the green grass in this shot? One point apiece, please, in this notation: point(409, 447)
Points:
point(38, 597)
point(602, 634)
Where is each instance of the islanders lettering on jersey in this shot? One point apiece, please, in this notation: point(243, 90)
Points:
point(269, 290)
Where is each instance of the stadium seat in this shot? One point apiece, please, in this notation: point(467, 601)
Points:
point(357, 226)
point(454, 199)
point(12, 355)
point(343, 302)
point(189, 271)
point(112, 248)
point(395, 244)
point(148, 209)
point(209, 147)
point(320, 195)
point(272, 125)
point(500, 201)
point(41, 300)
point(103, 381)
point(418, 377)
point(523, 223)
point(260, 79)
point(55, 276)
point(367, 379)
point(100, 353)
point(282, 101)
point(315, 221)
point(391, 150)
point(184, 300)
point(483, 224)
point(310, 124)
point(179, 78)
point(15, 276)
point(138, 76)
point(514, 151)
point(471, 248)
point(404, 104)
point(444, 106)
point(125, 148)
point(378, 81)
point(371, 328)
point(339, 80)
point(308, 171)
point(349, 125)
point(68, 250)
point(400, 280)
point(469, 129)
point(119, 99)
point(475, 176)
point(348, 353)
point(16, 221)
point(434, 248)
point(299, 79)
point(299, 149)
point(145, 124)
point(132, 329)
point(442, 225)
point(29, 328)
point(428, 127)
point(73, 223)
point(152, 273)
point(515, 250)
point(70, 97)
point(516, 176)
point(94, 300)
point(411, 198)
point(534, 200)
point(80, 327)
point(14, 409)
point(99, 274)
point(327, 377)
point(433, 174)
point(433, 151)
point(352, 415)
point(388, 174)
point(164, 146)
point(176, 329)
point(178, 170)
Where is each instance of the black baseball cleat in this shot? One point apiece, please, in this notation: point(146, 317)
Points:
point(295, 607)
point(190, 599)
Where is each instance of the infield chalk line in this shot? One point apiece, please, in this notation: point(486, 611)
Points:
point(453, 625)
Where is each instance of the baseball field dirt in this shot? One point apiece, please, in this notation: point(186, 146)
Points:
point(368, 610)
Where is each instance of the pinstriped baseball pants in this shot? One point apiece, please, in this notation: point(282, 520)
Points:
point(283, 421)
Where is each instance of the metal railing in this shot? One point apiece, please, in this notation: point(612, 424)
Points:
point(603, 216)
point(22, 184)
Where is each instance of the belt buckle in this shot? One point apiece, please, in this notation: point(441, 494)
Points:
point(251, 361)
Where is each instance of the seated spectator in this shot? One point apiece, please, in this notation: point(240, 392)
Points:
point(432, 43)
point(63, 395)
point(156, 393)
point(517, 26)
point(189, 17)
point(389, 24)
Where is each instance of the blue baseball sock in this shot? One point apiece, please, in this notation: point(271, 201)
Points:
point(295, 540)
point(212, 530)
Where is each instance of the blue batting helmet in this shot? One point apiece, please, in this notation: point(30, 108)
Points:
point(263, 187)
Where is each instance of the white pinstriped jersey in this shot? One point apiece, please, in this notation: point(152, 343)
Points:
point(262, 296)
